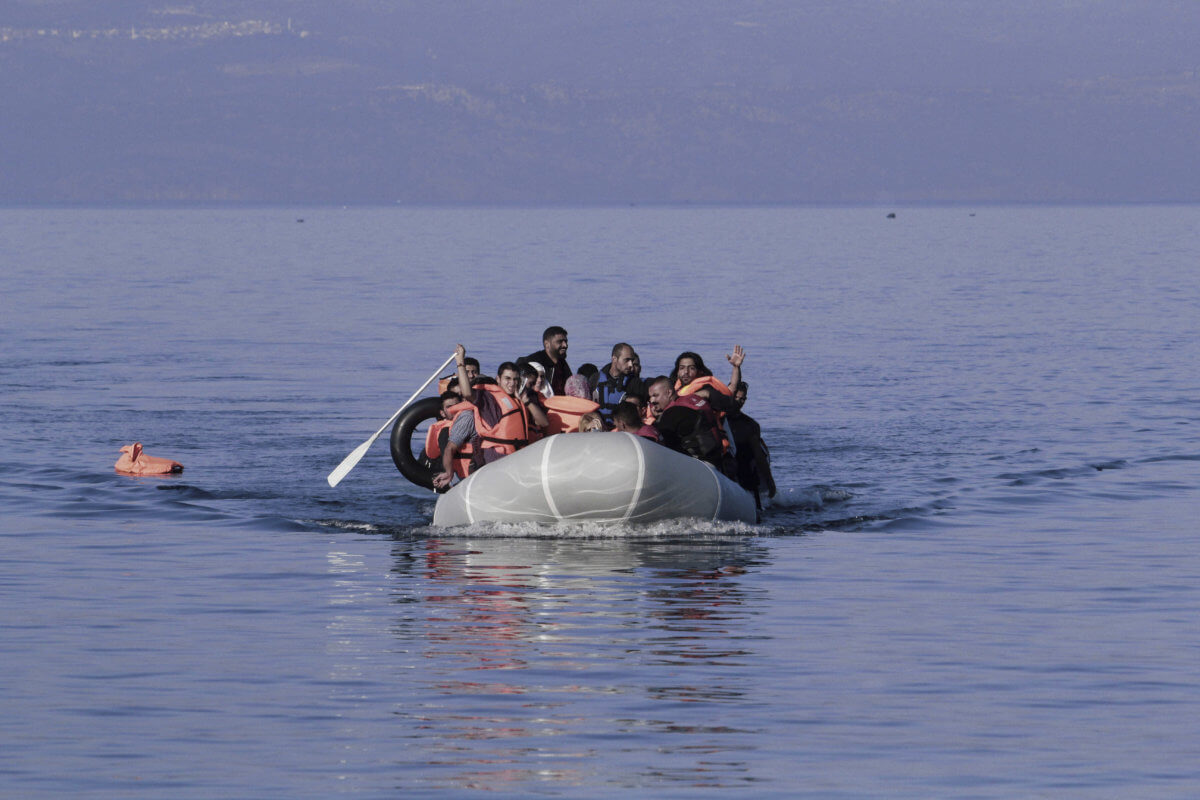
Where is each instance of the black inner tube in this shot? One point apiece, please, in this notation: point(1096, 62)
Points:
point(419, 469)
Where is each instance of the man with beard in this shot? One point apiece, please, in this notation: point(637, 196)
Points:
point(553, 357)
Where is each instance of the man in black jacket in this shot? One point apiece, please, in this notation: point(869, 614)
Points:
point(553, 357)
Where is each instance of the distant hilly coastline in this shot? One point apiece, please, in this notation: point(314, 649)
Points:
point(184, 105)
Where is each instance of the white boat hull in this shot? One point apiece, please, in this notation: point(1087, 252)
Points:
point(594, 477)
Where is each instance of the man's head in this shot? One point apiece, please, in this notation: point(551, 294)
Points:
point(662, 394)
point(471, 365)
point(554, 340)
point(622, 360)
point(739, 394)
point(508, 377)
point(592, 373)
point(449, 398)
point(591, 421)
point(625, 417)
point(688, 367)
point(530, 377)
point(637, 400)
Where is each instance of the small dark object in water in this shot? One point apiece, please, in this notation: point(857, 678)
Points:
point(300, 220)
point(892, 215)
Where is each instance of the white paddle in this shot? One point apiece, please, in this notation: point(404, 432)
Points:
point(350, 461)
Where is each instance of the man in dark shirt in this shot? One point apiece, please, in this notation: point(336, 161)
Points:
point(553, 356)
point(753, 458)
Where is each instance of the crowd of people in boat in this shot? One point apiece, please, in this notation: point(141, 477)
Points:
point(690, 410)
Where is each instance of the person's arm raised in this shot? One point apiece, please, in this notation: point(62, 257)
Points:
point(464, 383)
point(736, 358)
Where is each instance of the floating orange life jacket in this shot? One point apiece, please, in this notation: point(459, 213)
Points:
point(511, 431)
point(565, 412)
point(134, 462)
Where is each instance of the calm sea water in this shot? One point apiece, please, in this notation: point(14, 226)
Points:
point(982, 577)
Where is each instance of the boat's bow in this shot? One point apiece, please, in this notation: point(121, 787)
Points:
point(597, 477)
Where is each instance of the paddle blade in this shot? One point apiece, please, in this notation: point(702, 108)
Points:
point(348, 463)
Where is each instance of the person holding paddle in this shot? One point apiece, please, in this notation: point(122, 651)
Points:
point(497, 423)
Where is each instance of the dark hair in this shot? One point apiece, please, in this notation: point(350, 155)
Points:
point(472, 361)
point(449, 395)
point(701, 370)
point(505, 367)
point(640, 397)
point(552, 331)
point(588, 370)
point(627, 413)
point(670, 382)
point(742, 386)
point(619, 347)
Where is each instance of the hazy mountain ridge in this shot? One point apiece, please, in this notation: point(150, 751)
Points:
point(381, 102)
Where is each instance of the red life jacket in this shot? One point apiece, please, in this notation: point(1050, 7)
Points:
point(708, 432)
point(700, 383)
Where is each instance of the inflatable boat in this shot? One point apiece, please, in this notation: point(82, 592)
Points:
point(594, 477)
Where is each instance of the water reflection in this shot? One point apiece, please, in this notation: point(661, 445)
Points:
point(571, 661)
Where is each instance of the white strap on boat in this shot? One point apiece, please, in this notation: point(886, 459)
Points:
point(466, 490)
point(641, 478)
point(546, 478)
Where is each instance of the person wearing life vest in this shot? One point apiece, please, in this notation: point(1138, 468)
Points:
point(689, 424)
point(497, 422)
point(627, 419)
point(438, 435)
point(690, 375)
point(450, 382)
point(617, 379)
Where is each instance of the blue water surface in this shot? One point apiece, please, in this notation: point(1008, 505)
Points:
point(981, 577)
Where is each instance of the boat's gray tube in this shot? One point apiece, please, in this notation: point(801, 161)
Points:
point(594, 477)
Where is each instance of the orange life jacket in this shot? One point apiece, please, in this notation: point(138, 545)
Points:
point(648, 417)
point(700, 383)
point(134, 462)
point(565, 412)
point(511, 431)
point(433, 441)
